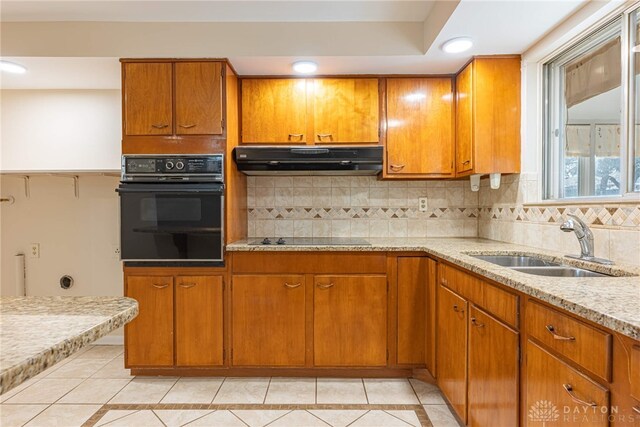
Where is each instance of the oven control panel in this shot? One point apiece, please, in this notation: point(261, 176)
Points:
point(172, 167)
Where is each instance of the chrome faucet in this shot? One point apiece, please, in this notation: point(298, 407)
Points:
point(585, 238)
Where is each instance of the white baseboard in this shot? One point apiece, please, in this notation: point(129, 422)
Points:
point(110, 340)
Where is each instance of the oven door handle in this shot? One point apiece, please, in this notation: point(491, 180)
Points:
point(216, 191)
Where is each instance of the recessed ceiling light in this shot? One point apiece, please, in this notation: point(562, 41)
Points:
point(305, 67)
point(457, 45)
point(12, 67)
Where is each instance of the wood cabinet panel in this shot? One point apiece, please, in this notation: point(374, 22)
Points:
point(149, 337)
point(420, 127)
point(147, 92)
point(198, 98)
point(345, 110)
point(551, 382)
point(493, 371)
point(634, 370)
point(452, 349)
point(268, 320)
point(432, 304)
point(464, 120)
point(309, 262)
point(462, 283)
point(579, 342)
point(274, 111)
point(199, 330)
point(412, 315)
point(350, 321)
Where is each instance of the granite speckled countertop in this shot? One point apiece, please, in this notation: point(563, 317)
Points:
point(613, 302)
point(37, 332)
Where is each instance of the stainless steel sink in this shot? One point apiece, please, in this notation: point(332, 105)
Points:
point(559, 271)
point(516, 260)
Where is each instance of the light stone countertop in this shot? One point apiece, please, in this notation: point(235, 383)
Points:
point(36, 332)
point(613, 302)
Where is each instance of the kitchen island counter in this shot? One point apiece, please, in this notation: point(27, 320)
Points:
point(37, 332)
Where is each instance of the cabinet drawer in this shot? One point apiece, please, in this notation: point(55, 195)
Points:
point(634, 370)
point(577, 341)
point(498, 302)
point(306, 262)
point(574, 398)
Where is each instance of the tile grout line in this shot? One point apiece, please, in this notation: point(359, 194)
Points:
point(365, 413)
point(172, 386)
point(280, 417)
point(414, 391)
point(159, 419)
point(315, 416)
point(386, 411)
point(200, 417)
point(241, 420)
point(366, 395)
point(264, 401)
point(218, 390)
point(135, 411)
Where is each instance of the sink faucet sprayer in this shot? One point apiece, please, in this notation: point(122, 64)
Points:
point(585, 238)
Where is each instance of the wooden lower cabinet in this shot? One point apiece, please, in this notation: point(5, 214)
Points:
point(350, 320)
point(452, 349)
point(493, 371)
point(198, 307)
point(149, 337)
point(556, 392)
point(268, 320)
point(412, 302)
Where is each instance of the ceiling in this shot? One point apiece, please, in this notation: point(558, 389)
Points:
point(263, 37)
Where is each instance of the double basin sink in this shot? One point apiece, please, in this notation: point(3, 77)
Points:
point(538, 266)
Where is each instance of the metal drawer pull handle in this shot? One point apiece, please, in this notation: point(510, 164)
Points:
point(474, 322)
point(457, 309)
point(396, 167)
point(636, 408)
point(187, 285)
point(292, 286)
point(155, 285)
point(324, 135)
point(466, 162)
point(569, 389)
point(160, 126)
point(187, 126)
point(294, 135)
point(444, 282)
point(552, 331)
point(325, 286)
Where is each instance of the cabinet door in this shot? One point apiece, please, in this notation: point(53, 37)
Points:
point(268, 320)
point(274, 111)
point(345, 110)
point(493, 371)
point(350, 321)
point(199, 321)
point(554, 391)
point(412, 299)
point(420, 126)
point(464, 120)
point(148, 98)
point(149, 337)
point(198, 98)
point(452, 349)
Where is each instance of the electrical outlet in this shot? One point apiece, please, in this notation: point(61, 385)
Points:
point(34, 250)
point(422, 204)
point(115, 252)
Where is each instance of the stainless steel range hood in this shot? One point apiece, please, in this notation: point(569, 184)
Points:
point(309, 160)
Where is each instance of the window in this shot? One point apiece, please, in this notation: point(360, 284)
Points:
point(591, 149)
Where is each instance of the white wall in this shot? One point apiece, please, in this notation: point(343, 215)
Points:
point(60, 130)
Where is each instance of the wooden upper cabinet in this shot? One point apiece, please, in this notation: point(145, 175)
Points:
point(274, 111)
point(149, 336)
point(452, 349)
point(488, 116)
point(198, 98)
point(147, 92)
point(268, 320)
point(350, 321)
point(420, 140)
point(493, 371)
point(198, 309)
point(345, 110)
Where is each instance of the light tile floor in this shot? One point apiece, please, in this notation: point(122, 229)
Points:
point(92, 388)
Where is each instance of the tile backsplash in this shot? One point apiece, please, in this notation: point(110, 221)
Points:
point(352, 206)
point(510, 214)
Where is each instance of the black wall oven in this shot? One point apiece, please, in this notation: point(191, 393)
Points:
point(171, 209)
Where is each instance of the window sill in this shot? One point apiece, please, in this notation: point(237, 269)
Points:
point(627, 199)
